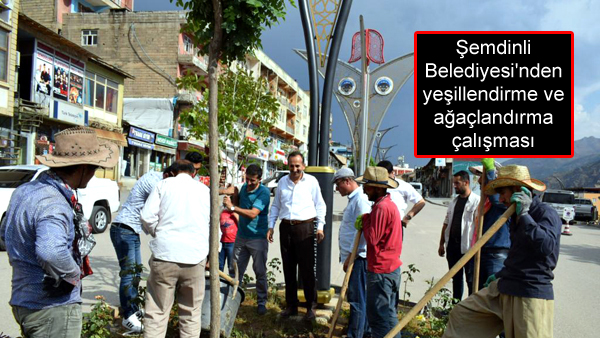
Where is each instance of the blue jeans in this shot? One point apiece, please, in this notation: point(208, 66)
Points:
point(492, 261)
point(382, 292)
point(453, 255)
point(358, 325)
point(226, 254)
point(127, 247)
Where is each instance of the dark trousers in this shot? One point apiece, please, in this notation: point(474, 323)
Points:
point(492, 261)
point(453, 255)
point(298, 249)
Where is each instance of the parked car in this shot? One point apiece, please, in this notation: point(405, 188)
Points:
point(98, 199)
point(418, 187)
point(585, 210)
point(559, 200)
point(272, 181)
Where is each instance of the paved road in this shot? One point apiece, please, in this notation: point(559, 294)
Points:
point(577, 282)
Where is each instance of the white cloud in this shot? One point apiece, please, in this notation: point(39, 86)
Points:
point(586, 123)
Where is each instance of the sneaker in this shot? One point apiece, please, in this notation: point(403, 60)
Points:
point(261, 309)
point(132, 323)
point(140, 314)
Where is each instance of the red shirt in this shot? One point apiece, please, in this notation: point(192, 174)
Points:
point(382, 229)
point(229, 227)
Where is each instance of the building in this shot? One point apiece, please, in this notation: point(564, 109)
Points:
point(50, 13)
point(10, 151)
point(150, 46)
point(62, 85)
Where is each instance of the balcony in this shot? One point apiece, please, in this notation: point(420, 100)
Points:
point(194, 61)
point(112, 4)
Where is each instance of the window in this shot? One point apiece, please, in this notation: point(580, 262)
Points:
point(101, 93)
point(100, 88)
point(89, 37)
point(3, 55)
point(188, 45)
point(304, 131)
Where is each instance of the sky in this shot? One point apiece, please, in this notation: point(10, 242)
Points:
point(397, 20)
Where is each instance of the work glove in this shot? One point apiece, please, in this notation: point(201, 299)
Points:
point(358, 224)
point(488, 164)
point(523, 200)
point(489, 281)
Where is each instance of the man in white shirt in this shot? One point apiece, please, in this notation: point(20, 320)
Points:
point(176, 215)
point(358, 204)
point(403, 194)
point(299, 204)
point(458, 230)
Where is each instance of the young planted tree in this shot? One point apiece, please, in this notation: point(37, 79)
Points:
point(226, 31)
point(245, 104)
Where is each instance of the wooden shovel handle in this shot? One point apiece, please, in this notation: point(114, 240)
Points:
point(345, 285)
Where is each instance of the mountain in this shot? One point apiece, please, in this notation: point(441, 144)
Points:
point(580, 171)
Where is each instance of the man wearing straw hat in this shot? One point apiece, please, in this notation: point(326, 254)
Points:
point(43, 230)
point(521, 300)
point(383, 234)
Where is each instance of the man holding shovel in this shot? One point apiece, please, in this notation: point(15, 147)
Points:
point(358, 204)
point(383, 234)
point(521, 300)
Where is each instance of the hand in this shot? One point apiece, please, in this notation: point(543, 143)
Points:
point(63, 288)
point(405, 221)
point(346, 262)
point(488, 164)
point(523, 200)
point(358, 224)
point(489, 281)
point(230, 190)
point(227, 202)
point(270, 235)
point(441, 250)
point(320, 236)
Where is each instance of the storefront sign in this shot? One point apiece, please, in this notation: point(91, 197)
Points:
point(165, 150)
point(141, 134)
point(69, 113)
point(139, 144)
point(278, 155)
point(166, 141)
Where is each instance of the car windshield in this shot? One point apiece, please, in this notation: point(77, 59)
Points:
point(13, 178)
point(559, 198)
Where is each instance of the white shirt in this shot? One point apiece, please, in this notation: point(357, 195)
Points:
point(177, 215)
point(466, 223)
point(358, 204)
point(405, 192)
point(298, 202)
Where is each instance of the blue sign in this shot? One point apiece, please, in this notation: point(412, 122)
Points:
point(141, 134)
point(139, 144)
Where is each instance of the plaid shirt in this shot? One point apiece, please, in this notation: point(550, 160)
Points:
point(39, 231)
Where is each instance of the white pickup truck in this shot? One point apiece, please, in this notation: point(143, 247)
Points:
point(99, 199)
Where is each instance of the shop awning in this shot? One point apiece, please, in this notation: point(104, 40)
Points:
point(117, 138)
point(166, 150)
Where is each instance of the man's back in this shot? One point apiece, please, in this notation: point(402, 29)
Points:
point(130, 211)
point(177, 213)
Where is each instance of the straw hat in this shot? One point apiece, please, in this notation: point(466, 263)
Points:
point(80, 145)
point(377, 177)
point(514, 175)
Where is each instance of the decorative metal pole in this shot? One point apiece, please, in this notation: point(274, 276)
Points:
point(363, 160)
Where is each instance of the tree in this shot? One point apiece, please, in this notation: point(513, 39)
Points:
point(245, 104)
point(227, 30)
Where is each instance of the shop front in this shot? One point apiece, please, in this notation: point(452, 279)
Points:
point(163, 155)
point(262, 157)
point(138, 155)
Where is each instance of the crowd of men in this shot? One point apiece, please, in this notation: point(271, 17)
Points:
point(48, 241)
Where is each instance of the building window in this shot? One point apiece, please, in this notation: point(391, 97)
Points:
point(101, 93)
point(89, 37)
point(188, 45)
point(304, 131)
point(3, 55)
